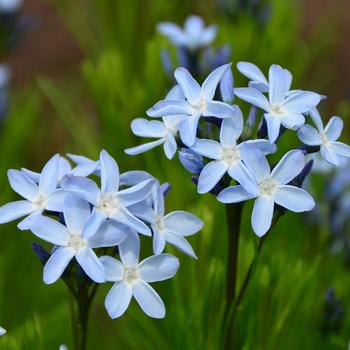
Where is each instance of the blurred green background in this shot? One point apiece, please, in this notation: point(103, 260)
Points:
point(81, 72)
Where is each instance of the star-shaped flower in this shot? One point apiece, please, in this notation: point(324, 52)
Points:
point(326, 137)
point(76, 239)
point(109, 201)
point(282, 107)
point(172, 227)
point(131, 278)
point(227, 156)
point(199, 102)
point(194, 35)
point(165, 130)
point(37, 197)
point(270, 187)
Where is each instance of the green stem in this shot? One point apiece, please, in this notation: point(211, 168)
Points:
point(80, 302)
point(234, 216)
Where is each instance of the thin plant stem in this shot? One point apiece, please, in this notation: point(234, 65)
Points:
point(80, 302)
point(234, 216)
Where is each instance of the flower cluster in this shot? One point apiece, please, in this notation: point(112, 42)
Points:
point(86, 222)
point(219, 146)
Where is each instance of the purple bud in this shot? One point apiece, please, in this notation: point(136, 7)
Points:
point(41, 253)
point(222, 56)
point(165, 188)
point(191, 161)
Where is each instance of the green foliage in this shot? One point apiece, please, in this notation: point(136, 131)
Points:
point(120, 77)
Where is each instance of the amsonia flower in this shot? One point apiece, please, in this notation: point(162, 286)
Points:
point(270, 187)
point(131, 278)
point(199, 102)
point(2, 331)
point(109, 201)
point(227, 155)
point(282, 107)
point(76, 239)
point(172, 227)
point(326, 137)
point(37, 197)
point(165, 130)
point(194, 35)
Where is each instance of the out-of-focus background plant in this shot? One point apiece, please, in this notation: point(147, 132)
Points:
point(77, 73)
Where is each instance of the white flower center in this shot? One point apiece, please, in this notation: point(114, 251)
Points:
point(267, 187)
point(108, 204)
point(324, 139)
point(130, 275)
point(231, 155)
point(160, 224)
point(276, 110)
point(200, 105)
point(40, 201)
point(76, 242)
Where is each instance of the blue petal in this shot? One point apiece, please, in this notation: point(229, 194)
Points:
point(148, 299)
point(189, 86)
point(262, 215)
point(91, 265)
point(294, 199)
point(57, 263)
point(334, 128)
point(309, 135)
point(118, 299)
point(278, 86)
point(49, 175)
point(291, 164)
point(180, 243)
point(158, 267)
point(148, 128)
point(23, 185)
point(210, 175)
point(109, 173)
point(234, 194)
point(182, 222)
point(253, 96)
point(129, 250)
point(113, 268)
point(169, 107)
point(14, 210)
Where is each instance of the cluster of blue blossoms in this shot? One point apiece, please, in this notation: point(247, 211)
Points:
point(62, 206)
point(218, 146)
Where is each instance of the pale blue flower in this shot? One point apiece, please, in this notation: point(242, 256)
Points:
point(270, 187)
point(2, 331)
point(76, 239)
point(199, 102)
point(283, 107)
point(194, 35)
point(172, 227)
point(109, 201)
point(37, 197)
point(227, 155)
point(10, 6)
point(131, 278)
point(165, 130)
point(326, 137)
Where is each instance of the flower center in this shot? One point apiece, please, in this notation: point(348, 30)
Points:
point(267, 187)
point(324, 139)
point(108, 204)
point(160, 224)
point(231, 155)
point(200, 105)
point(76, 242)
point(130, 275)
point(40, 201)
point(276, 110)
